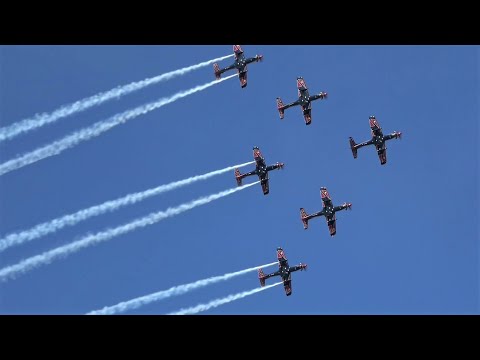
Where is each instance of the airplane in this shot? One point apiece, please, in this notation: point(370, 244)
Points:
point(240, 64)
point(378, 139)
point(261, 170)
point(304, 100)
point(284, 271)
point(328, 211)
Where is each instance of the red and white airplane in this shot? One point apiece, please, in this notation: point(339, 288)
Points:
point(284, 271)
point(304, 100)
point(261, 170)
point(328, 211)
point(378, 139)
point(240, 64)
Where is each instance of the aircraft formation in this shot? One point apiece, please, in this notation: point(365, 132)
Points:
point(262, 169)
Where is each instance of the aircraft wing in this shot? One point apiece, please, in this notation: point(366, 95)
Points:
point(307, 114)
point(374, 125)
point(265, 186)
point(301, 86)
point(242, 76)
point(257, 154)
point(281, 255)
point(237, 50)
point(287, 285)
point(332, 225)
point(324, 194)
point(382, 155)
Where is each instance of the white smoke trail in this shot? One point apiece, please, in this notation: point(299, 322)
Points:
point(39, 120)
point(96, 129)
point(51, 226)
point(89, 240)
point(221, 301)
point(175, 290)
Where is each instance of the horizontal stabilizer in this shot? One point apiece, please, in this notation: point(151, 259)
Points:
point(304, 217)
point(216, 70)
point(352, 147)
point(238, 177)
point(261, 277)
point(280, 107)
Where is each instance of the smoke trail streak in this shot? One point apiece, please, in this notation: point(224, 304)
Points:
point(39, 120)
point(221, 301)
point(89, 240)
point(96, 129)
point(54, 225)
point(173, 291)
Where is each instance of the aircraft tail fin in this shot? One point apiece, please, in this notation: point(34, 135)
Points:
point(238, 177)
point(304, 217)
point(280, 107)
point(261, 277)
point(216, 70)
point(352, 147)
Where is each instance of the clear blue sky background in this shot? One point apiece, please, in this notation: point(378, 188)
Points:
point(409, 245)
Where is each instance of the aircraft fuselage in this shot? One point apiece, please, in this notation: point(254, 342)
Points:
point(304, 98)
point(378, 139)
point(284, 270)
point(261, 168)
point(240, 62)
point(328, 209)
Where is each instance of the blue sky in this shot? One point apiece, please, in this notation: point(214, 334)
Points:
point(409, 245)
